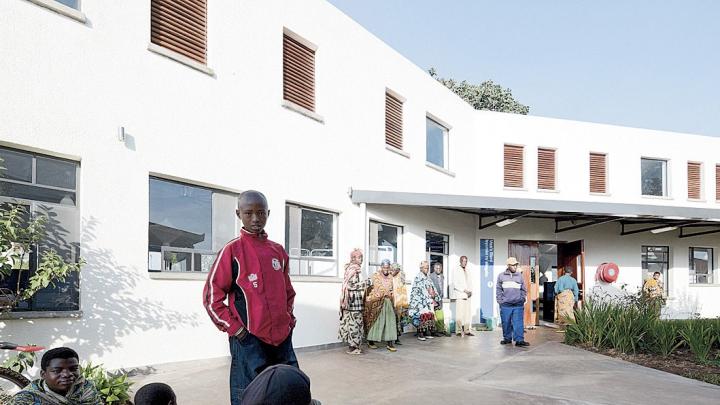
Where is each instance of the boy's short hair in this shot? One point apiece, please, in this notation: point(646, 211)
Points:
point(155, 394)
point(57, 353)
point(658, 273)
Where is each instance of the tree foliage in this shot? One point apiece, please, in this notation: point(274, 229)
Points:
point(484, 96)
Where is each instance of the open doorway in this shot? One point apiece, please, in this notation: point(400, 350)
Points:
point(541, 264)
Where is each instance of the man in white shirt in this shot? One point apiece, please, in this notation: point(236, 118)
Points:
point(462, 291)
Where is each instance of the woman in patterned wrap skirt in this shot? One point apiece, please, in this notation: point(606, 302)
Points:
point(351, 304)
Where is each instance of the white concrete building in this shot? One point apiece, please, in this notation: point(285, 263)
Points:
point(138, 136)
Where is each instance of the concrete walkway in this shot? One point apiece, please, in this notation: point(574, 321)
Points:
point(469, 370)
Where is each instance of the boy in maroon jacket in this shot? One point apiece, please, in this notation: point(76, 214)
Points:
point(252, 273)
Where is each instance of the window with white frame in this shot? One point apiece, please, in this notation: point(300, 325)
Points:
point(43, 185)
point(656, 259)
point(654, 177)
point(188, 225)
point(311, 241)
point(436, 143)
point(385, 243)
point(701, 265)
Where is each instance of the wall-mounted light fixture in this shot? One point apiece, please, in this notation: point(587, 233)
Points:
point(121, 134)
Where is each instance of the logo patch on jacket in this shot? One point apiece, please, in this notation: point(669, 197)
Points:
point(253, 278)
point(276, 264)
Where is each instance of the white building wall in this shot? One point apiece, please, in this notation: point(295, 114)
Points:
point(68, 86)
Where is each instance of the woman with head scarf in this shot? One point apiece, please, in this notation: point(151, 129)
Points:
point(351, 304)
point(400, 299)
point(422, 303)
point(380, 316)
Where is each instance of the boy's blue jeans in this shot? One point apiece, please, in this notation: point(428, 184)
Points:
point(250, 357)
point(513, 326)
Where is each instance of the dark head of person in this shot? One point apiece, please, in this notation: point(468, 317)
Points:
point(512, 264)
point(463, 261)
point(155, 394)
point(253, 211)
point(656, 275)
point(437, 268)
point(60, 369)
point(279, 384)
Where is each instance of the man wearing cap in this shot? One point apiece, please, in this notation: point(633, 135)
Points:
point(462, 291)
point(510, 292)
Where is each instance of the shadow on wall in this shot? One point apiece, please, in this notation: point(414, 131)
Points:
point(111, 309)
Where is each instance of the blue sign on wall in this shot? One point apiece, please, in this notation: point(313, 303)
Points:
point(487, 282)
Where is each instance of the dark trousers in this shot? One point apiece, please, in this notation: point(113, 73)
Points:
point(513, 326)
point(250, 357)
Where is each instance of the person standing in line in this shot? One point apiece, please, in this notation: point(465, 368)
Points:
point(422, 303)
point(566, 295)
point(438, 279)
point(462, 290)
point(400, 300)
point(510, 292)
point(379, 313)
point(351, 304)
point(252, 273)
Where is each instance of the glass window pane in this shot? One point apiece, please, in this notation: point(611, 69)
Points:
point(177, 261)
point(653, 176)
point(35, 193)
point(317, 234)
point(69, 3)
point(56, 173)
point(223, 219)
point(435, 143)
point(180, 215)
point(15, 165)
point(701, 265)
point(63, 235)
point(436, 243)
point(387, 243)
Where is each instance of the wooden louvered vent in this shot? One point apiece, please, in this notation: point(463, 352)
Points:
point(546, 169)
point(298, 73)
point(513, 166)
point(393, 121)
point(717, 182)
point(180, 26)
point(694, 180)
point(598, 173)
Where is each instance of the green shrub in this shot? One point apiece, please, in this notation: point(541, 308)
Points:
point(664, 338)
point(699, 334)
point(20, 362)
point(113, 388)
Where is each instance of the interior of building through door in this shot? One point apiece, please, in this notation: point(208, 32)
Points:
point(541, 263)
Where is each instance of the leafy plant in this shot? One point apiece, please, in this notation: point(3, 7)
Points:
point(20, 233)
point(52, 269)
point(699, 336)
point(665, 338)
point(114, 389)
point(20, 362)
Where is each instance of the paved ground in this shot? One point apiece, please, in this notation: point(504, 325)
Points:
point(469, 370)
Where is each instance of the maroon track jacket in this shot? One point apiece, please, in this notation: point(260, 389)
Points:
point(253, 272)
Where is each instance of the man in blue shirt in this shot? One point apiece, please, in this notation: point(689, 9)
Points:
point(566, 295)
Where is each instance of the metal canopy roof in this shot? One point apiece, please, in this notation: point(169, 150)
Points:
point(568, 215)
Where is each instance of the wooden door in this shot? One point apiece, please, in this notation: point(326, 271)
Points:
point(571, 255)
point(527, 254)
